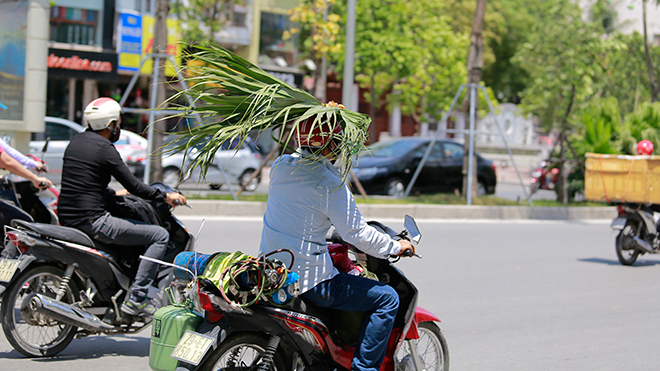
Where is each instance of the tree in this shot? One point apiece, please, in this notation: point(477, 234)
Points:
point(560, 57)
point(201, 20)
point(318, 25)
point(408, 47)
point(655, 85)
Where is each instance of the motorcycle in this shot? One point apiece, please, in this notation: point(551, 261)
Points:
point(544, 177)
point(636, 227)
point(23, 200)
point(300, 336)
point(63, 284)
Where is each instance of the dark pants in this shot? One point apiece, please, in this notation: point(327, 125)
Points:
point(358, 294)
point(116, 231)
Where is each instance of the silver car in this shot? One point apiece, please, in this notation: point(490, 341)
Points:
point(60, 131)
point(231, 164)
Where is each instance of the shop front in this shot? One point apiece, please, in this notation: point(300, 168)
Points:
point(77, 77)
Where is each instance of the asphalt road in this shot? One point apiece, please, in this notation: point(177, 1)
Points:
point(527, 295)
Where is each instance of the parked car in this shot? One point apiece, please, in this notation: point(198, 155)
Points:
point(60, 131)
point(387, 167)
point(231, 164)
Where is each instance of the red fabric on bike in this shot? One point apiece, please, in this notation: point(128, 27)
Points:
point(340, 258)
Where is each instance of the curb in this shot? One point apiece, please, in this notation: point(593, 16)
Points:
point(418, 211)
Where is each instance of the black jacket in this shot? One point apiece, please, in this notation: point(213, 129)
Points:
point(89, 162)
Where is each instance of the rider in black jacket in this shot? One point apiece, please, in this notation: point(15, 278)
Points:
point(89, 162)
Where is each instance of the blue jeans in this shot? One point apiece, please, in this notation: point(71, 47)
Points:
point(116, 231)
point(358, 294)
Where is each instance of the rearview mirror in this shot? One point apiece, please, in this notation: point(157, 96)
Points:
point(43, 150)
point(411, 227)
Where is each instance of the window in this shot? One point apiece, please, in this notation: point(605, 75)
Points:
point(453, 150)
point(273, 49)
point(59, 132)
point(74, 25)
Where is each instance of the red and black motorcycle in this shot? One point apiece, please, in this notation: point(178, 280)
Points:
point(544, 177)
point(300, 336)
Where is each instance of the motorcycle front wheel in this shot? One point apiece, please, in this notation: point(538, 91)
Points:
point(31, 333)
point(241, 352)
point(625, 247)
point(431, 349)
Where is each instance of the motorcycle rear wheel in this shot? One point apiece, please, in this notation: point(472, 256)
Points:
point(240, 352)
point(36, 335)
point(431, 347)
point(624, 251)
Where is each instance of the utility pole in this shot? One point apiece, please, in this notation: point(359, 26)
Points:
point(159, 50)
point(475, 63)
point(349, 58)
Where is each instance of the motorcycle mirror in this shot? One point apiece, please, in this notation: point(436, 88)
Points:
point(411, 226)
point(43, 150)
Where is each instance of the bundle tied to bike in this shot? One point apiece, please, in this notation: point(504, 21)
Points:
point(219, 283)
point(240, 279)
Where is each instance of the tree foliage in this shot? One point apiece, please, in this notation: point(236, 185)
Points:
point(409, 48)
point(202, 19)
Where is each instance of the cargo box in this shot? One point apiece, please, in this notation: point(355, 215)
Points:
point(621, 178)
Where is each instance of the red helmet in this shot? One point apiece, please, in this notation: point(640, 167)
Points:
point(644, 147)
point(316, 135)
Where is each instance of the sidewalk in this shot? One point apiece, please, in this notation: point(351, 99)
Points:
point(418, 211)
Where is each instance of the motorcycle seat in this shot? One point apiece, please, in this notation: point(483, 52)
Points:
point(56, 232)
point(70, 235)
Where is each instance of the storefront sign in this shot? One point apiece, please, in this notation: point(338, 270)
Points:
point(129, 46)
point(82, 65)
point(173, 44)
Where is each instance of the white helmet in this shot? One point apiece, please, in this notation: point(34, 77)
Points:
point(101, 112)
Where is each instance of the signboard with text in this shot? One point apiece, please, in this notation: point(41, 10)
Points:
point(82, 65)
point(173, 45)
point(129, 45)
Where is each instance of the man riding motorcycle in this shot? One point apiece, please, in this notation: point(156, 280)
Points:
point(306, 196)
point(89, 161)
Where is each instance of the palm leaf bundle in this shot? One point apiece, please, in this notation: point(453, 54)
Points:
point(233, 97)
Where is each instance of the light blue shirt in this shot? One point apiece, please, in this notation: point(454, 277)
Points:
point(305, 198)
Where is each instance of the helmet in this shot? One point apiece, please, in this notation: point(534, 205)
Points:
point(644, 147)
point(101, 112)
point(316, 135)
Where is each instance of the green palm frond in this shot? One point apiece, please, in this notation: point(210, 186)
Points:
point(233, 97)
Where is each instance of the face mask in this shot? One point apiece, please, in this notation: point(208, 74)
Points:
point(114, 136)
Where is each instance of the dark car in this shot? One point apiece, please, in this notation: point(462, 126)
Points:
point(387, 167)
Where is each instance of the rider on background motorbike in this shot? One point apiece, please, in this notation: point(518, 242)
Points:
point(8, 161)
point(306, 196)
point(89, 161)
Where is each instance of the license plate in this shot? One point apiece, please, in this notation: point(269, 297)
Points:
point(618, 223)
point(192, 347)
point(7, 269)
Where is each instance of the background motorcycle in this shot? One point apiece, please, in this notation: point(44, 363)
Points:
point(637, 227)
point(64, 284)
point(301, 336)
point(544, 177)
point(29, 203)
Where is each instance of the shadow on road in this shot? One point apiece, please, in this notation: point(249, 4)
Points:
point(639, 263)
point(92, 348)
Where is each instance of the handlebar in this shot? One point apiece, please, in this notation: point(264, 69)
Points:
point(178, 203)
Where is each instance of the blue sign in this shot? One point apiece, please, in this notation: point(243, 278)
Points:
point(129, 48)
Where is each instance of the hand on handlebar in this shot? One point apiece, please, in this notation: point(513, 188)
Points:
point(41, 182)
point(407, 248)
point(41, 167)
point(175, 199)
